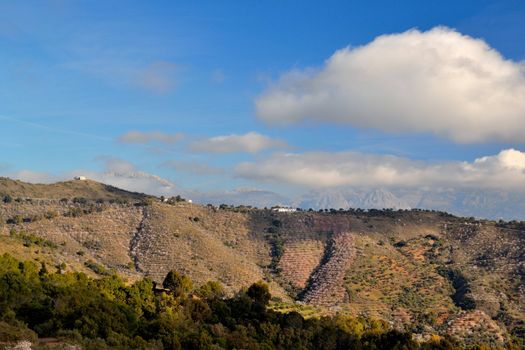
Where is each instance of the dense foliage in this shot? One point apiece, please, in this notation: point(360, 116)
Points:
point(108, 313)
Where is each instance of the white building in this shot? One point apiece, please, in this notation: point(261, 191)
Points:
point(284, 209)
point(80, 178)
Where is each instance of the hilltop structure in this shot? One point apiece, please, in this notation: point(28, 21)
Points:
point(284, 209)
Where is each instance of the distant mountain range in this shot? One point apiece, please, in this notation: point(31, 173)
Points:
point(366, 199)
point(491, 204)
point(251, 197)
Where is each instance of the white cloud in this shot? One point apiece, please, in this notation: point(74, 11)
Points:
point(136, 181)
point(123, 174)
point(505, 170)
point(439, 82)
point(251, 142)
point(147, 137)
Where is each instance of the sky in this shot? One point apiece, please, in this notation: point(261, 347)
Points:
point(286, 96)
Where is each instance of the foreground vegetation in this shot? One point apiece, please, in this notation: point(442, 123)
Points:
point(107, 313)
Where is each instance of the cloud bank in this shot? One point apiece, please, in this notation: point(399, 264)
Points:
point(439, 82)
point(251, 142)
point(505, 170)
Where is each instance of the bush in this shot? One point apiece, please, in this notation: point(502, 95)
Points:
point(16, 220)
point(80, 200)
point(29, 239)
point(210, 290)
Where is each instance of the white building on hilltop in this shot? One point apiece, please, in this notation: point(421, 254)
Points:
point(284, 209)
point(80, 178)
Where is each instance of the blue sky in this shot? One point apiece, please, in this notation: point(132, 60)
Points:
point(78, 76)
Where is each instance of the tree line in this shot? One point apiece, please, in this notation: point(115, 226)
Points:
point(108, 313)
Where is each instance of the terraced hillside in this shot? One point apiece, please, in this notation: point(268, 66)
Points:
point(299, 260)
point(408, 267)
point(326, 286)
point(427, 272)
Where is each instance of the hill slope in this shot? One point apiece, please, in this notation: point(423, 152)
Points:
point(68, 189)
point(428, 272)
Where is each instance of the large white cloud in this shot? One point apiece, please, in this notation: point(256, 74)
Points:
point(505, 170)
point(251, 142)
point(439, 82)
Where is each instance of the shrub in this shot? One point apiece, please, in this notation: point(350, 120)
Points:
point(80, 200)
point(51, 214)
point(97, 268)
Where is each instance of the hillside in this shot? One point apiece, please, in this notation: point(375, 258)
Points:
point(68, 189)
point(425, 272)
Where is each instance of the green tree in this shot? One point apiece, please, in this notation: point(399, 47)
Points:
point(259, 293)
point(210, 290)
point(177, 283)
